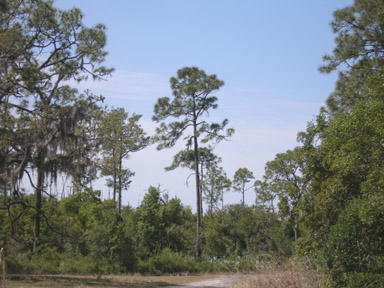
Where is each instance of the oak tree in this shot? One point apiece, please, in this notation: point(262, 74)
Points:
point(43, 49)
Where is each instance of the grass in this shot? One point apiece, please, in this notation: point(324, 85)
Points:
point(290, 275)
point(134, 281)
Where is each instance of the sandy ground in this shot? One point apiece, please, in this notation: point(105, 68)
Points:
point(224, 281)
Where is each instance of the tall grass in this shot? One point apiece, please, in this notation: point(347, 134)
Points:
point(293, 274)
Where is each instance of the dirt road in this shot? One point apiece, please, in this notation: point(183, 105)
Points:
point(224, 281)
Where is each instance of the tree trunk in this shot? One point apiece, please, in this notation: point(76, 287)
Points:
point(114, 180)
point(120, 185)
point(222, 200)
point(38, 204)
point(198, 202)
point(211, 208)
point(201, 190)
point(198, 194)
point(5, 194)
point(297, 233)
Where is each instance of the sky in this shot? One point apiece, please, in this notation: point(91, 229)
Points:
point(266, 52)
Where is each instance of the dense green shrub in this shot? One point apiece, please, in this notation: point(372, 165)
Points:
point(239, 230)
point(46, 260)
point(85, 235)
point(358, 280)
point(167, 262)
point(14, 264)
point(355, 247)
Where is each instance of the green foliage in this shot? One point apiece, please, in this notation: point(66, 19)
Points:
point(359, 50)
point(169, 262)
point(285, 178)
point(347, 165)
point(355, 243)
point(50, 130)
point(365, 279)
point(192, 100)
point(121, 135)
point(343, 207)
point(214, 185)
point(241, 177)
point(186, 158)
point(333, 184)
point(161, 224)
point(241, 231)
point(88, 236)
point(49, 126)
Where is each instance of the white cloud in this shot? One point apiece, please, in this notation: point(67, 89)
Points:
point(127, 85)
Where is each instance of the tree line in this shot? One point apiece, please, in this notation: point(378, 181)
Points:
point(87, 235)
point(322, 199)
point(330, 186)
point(51, 130)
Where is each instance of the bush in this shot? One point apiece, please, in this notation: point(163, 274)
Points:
point(354, 250)
point(46, 260)
point(246, 265)
point(358, 280)
point(15, 265)
point(167, 261)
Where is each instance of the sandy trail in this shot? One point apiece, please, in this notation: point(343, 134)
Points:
point(224, 281)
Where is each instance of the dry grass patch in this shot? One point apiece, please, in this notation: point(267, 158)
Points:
point(130, 281)
point(291, 275)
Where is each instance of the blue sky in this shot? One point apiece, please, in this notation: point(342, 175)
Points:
point(267, 53)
